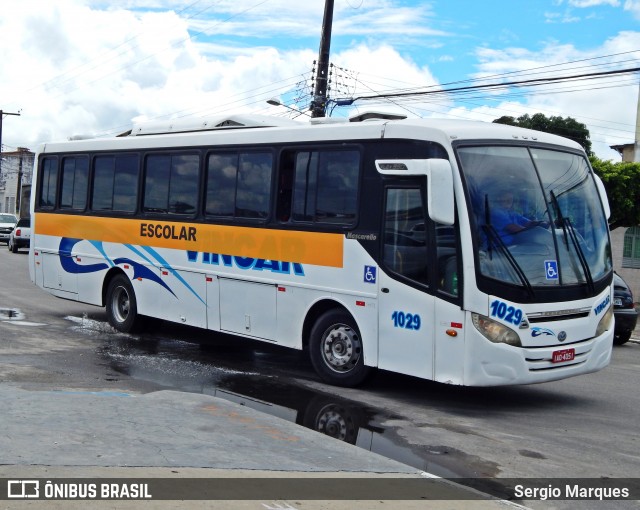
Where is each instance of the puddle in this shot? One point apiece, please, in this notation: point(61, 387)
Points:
point(236, 373)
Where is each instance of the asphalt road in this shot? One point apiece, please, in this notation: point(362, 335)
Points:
point(585, 427)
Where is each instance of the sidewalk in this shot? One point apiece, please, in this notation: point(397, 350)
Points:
point(169, 435)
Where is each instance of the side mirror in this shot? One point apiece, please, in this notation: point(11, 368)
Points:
point(440, 191)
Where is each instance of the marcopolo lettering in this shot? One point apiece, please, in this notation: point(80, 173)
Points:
point(275, 266)
point(160, 231)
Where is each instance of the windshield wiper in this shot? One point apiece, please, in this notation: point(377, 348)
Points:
point(567, 226)
point(491, 232)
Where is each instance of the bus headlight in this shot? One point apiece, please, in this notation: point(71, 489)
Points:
point(605, 322)
point(494, 331)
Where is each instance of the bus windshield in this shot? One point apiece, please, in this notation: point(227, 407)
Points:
point(537, 216)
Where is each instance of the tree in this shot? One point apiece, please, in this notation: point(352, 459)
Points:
point(561, 126)
point(622, 182)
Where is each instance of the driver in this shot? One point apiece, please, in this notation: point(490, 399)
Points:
point(506, 221)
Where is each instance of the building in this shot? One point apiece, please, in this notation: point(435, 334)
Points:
point(16, 170)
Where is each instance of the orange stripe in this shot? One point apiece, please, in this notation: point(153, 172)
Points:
point(284, 245)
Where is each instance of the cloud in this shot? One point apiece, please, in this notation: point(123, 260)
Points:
point(602, 105)
point(593, 3)
point(89, 66)
point(633, 6)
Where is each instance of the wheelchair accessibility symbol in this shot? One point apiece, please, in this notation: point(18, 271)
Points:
point(551, 269)
point(370, 274)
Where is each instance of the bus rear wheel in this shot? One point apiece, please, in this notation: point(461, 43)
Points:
point(121, 305)
point(336, 351)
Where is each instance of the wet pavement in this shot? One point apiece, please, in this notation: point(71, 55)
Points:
point(249, 377)
point(221, 371)
point(217, 415)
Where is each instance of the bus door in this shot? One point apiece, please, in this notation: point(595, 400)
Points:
point(406, 318)
point(449, 317)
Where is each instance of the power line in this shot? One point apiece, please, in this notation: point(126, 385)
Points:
point(502, 85)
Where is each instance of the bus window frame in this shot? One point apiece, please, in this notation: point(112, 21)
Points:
point(238, 151)
point(319, 225)
point(433, 271)
point(142, 175)
point(116, 213)
point(38, 204)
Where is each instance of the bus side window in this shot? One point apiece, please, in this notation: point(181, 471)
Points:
point(447, 253)
point(48, 182)
point(285, 187)
point(239, 184)
point(325, 187)
point(405, 240)
point(75, 179)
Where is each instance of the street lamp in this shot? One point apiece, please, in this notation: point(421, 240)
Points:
point(274, 101)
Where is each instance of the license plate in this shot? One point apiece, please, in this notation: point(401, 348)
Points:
point(563, 355)
point(617, 301)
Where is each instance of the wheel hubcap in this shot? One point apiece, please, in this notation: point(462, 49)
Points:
point(341, 348)
point(121, 304)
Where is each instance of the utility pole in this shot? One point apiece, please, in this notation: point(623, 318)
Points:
point(636, 143)
point(319, 102)
point(21, 152)
point(2, 114)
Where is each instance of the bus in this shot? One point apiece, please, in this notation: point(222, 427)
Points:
point(376, 242)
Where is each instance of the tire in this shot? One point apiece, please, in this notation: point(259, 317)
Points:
point(122, 307)
point(622, 338)
point(14, 247)
point(336, 350)
point(9, 245)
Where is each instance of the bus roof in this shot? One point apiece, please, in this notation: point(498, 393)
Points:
point(244, 129)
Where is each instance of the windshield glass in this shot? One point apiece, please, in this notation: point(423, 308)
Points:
point(7, 218)
point(537, 216)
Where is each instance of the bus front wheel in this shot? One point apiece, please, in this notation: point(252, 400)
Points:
point(335, 348)
point(122, 307)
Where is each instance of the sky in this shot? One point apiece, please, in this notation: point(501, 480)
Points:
point(96, 67)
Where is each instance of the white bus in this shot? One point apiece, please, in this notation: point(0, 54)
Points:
point(461, 252)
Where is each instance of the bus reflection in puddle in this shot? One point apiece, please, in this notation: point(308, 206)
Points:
point(234, 375)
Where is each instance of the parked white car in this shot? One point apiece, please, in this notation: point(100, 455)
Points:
point(20, 237)
point(7, 222)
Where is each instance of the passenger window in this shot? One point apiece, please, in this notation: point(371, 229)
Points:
point(221, 184)
point(239, 184)
point(75, 180)
point(115, 183)
point(326, 186)
point(405, 239)
point(171, 183)
point(254, 185)
point(48, 182)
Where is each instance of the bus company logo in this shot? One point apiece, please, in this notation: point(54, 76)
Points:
point(598, 309)
point(535, 332)
point(23, 489)
point(275, 266)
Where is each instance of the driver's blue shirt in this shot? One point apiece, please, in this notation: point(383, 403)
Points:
point(500, 218)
